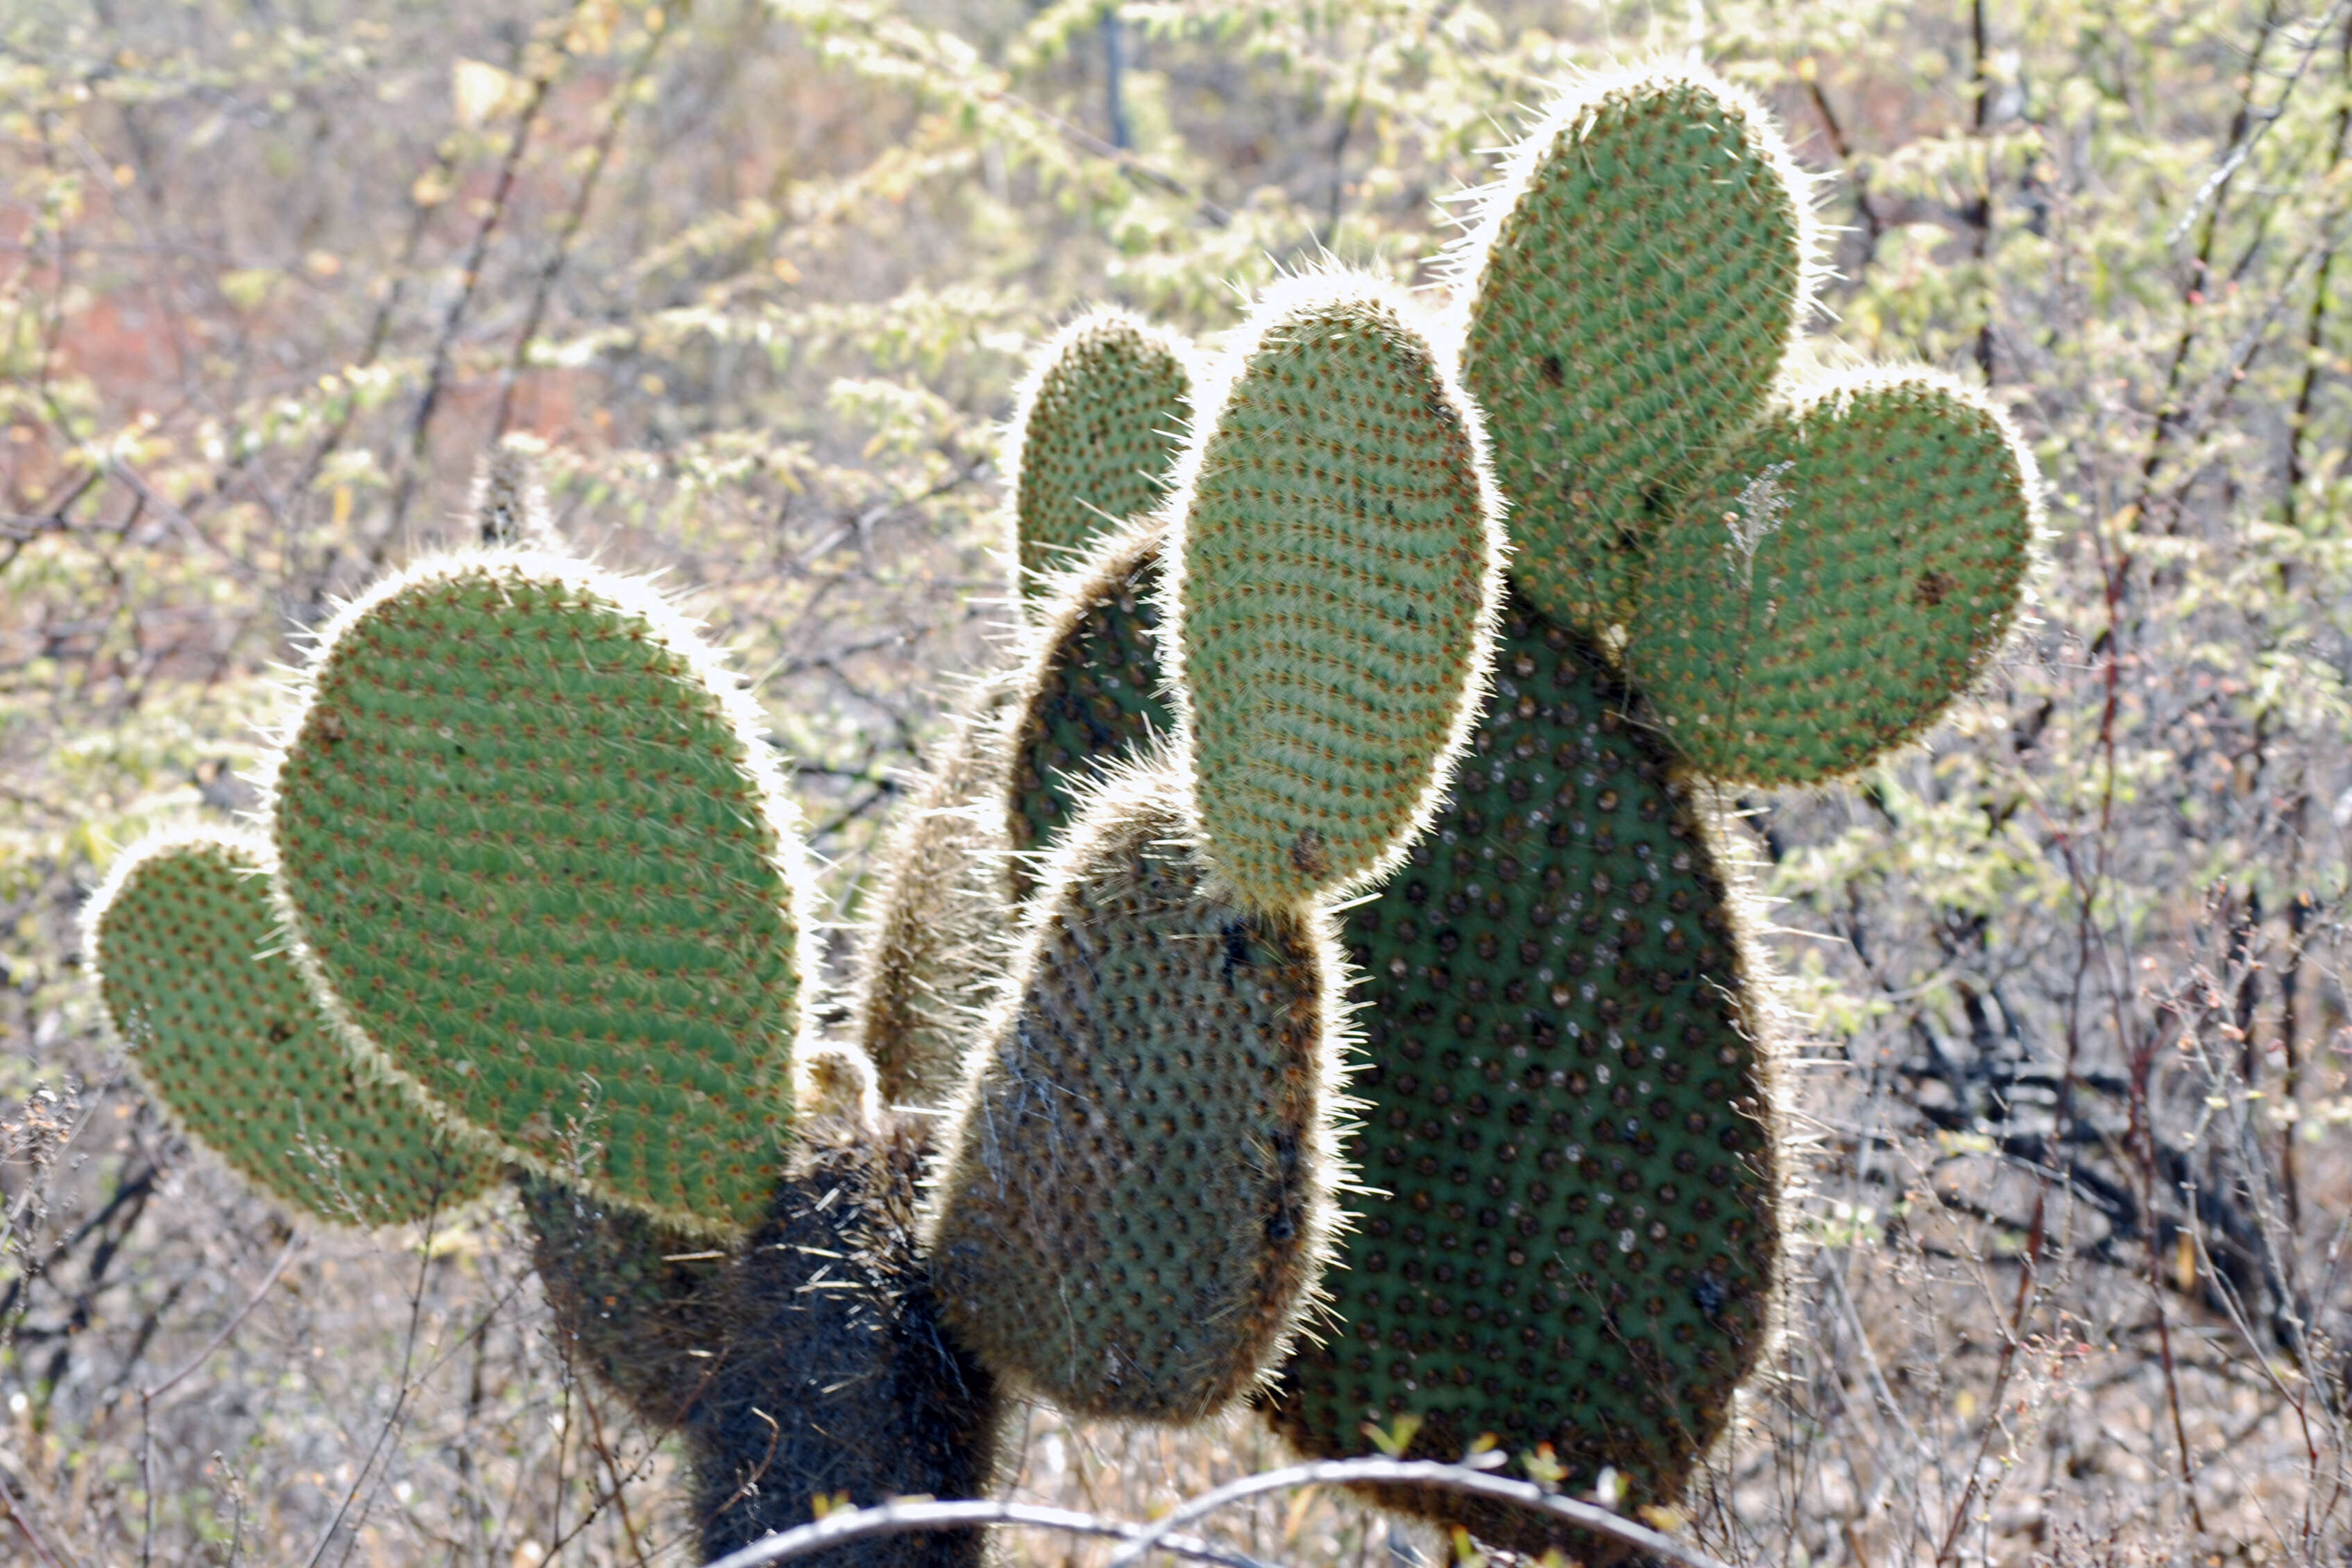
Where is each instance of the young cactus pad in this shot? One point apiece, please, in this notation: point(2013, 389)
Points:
point(1099, 424)
point(1842, 570)
point(1638, 276)
point(1091, 688)
point(534, 841)
point(1136, 1203)
point(1572, 1235)
point(224, 1032)
point(1333, 579)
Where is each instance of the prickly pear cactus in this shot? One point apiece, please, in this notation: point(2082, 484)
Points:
point(221, 1029)
point(1569, 1120)
point(1570, 1102)
point(1332, 577)
point(640, 1305)
point(837, 1379)
point(534, 843)
point(1090, 690)
point(1098, 428)
point(943, 922)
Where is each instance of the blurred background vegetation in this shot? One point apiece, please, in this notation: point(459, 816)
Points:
point(275, 273)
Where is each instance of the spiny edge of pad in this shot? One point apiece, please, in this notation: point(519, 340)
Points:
point(681, 635)
point(1296, 295)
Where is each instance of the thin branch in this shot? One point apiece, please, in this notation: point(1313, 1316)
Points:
point(1419, 1472)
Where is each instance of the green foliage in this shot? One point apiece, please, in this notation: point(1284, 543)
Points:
point(1139, 1192)
point(1098, 428)
point(1334, 573)
point(1641, 270)
point(532, 841)
point(1842, 570)
point(1571, 1235)
point(221, 1028)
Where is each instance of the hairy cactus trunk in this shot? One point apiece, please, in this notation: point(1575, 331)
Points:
point(809, 1367)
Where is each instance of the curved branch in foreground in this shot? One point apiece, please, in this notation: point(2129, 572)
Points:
point(896, 1518)
point(851, 1524)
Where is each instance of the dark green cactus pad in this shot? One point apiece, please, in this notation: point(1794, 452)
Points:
point(1841, 572)
point(1568, 1105)
point(1137, 1200)
point(1633, 287)
point(534, 842)
point(1099, 428)
point(641, 1306)
point(223, 1031)
point(1093, 690)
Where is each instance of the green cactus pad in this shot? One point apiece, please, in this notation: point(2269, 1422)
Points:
point(224, 1032)
point(1334, 582)
point(1136, 1206)
point(534, 841)
point(1090, 690)
point(1841, 574)
point(1099, 427)
point(1636, 280)
point(943, 925)
point(1568, 1108)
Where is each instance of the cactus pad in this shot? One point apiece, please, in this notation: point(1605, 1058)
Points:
point(943, 927)
point(1091, 690)
point(534, 841)
point(1637, 279)
point(1841, 572)
point(1137, 1204)
point(1568, 1107)
point(1099, 428)
point(224, 1033)
point(1336, 574)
